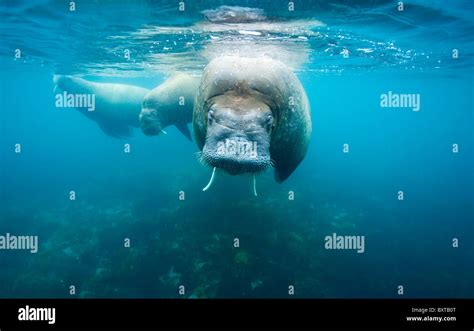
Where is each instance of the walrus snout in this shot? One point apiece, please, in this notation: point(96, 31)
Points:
point(238, 135)
point(237, 154)
point(150, 122)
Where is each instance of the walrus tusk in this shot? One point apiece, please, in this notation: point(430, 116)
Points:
point(254, 185)
point(210, 181)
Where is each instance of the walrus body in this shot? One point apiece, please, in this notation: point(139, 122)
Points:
point(171, 103)
point(116, 105)
point(251, 113)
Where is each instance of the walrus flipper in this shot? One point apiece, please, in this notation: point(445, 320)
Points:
point(115, 130)
point(292, 135)
point(183, 128)
point(284, 169)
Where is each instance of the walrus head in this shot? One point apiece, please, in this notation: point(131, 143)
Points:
point(250, 114)
point(171, 103)
point(238, 135)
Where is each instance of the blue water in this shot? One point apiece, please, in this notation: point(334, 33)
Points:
point(408, 242)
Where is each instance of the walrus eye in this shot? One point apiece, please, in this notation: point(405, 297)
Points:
point(210, 116)
point(269, 121)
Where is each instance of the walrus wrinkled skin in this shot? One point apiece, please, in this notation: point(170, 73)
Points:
point(249, 114)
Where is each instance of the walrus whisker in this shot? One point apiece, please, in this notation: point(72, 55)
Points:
point(254, 185)
point(203, 159)
point(272, 163)
point(211, 180)
point(199, 157)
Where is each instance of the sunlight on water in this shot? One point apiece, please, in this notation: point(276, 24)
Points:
point(317, 41)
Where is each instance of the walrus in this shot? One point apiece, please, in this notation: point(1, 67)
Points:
point(116, 105)
point(250, 114)
point(171, 103)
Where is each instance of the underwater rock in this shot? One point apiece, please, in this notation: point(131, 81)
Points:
point(171, 278)
point(256, 283)
point(241, 258)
